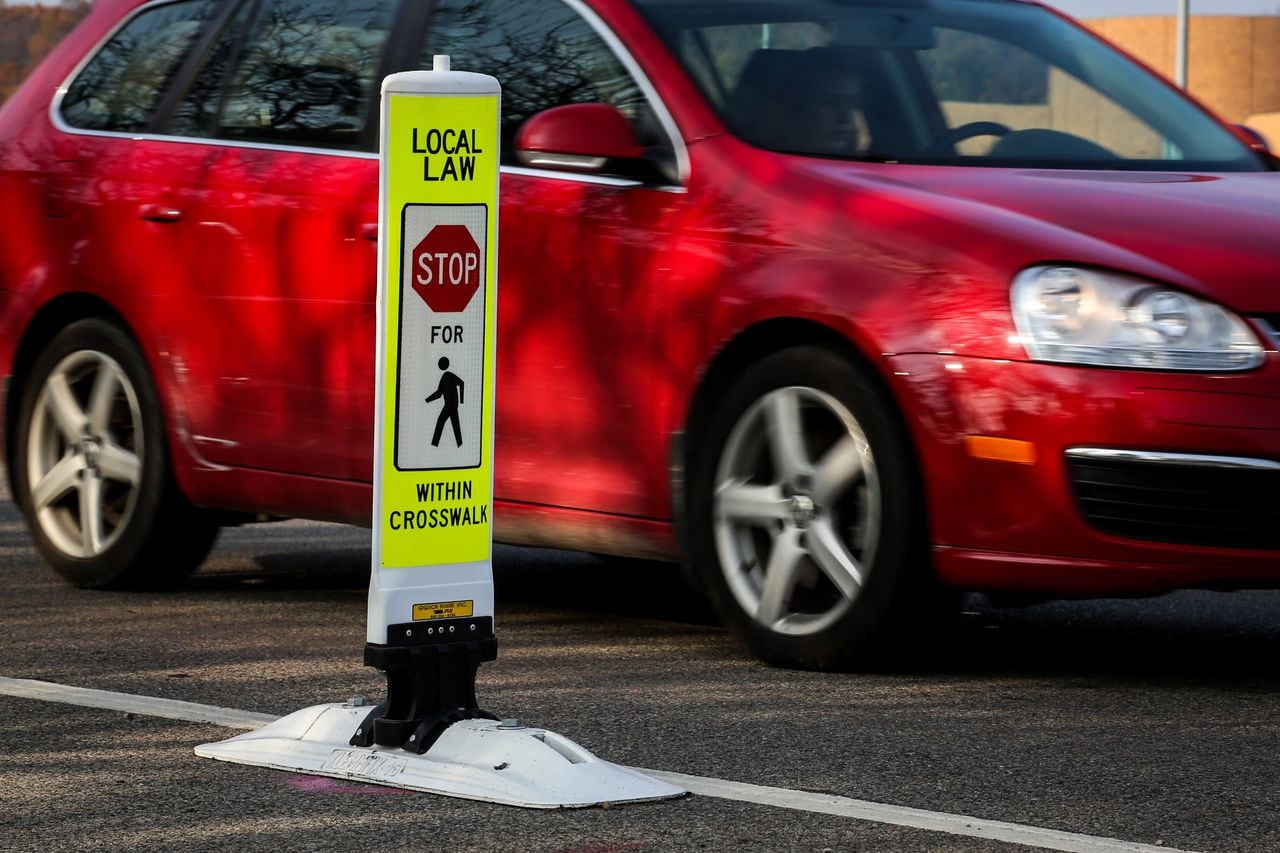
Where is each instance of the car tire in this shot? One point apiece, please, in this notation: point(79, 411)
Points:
point(92, 468)
point(806, 516)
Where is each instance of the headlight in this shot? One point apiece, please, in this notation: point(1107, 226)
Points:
point(1081, 316)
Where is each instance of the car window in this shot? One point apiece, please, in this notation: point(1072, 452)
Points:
point(717, 55)
point(303, 74)
point(120, 87)
point(979, 78)
point(196, 114)
point(544, 54)
point(965, 82)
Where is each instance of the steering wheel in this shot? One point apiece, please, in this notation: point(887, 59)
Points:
point(946, 143)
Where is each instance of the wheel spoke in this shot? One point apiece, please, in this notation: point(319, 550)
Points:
point(780, 578)
point(786, 434)
point(740, 502)
point(838, 469)
point(120, 465)
point(59, 480)
point(101, 398)
point(65, 409)
point(834, 559)
point(91, 514)
point(869, 530)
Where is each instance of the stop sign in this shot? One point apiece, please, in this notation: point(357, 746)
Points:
point(446, 268)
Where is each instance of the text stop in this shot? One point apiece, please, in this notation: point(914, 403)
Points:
point(447, 268)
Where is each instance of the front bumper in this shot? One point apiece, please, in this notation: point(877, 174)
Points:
point(1021, 525)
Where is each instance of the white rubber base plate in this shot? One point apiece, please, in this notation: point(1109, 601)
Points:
point(473, 759)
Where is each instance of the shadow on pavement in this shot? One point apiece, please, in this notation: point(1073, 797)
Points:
point(1212, 638)
point(522, 576)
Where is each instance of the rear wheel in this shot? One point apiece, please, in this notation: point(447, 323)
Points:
point(807, 517)
point(92, 467)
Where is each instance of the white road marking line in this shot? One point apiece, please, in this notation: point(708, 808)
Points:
point(829, 804)
point(953, 824)
point(170, 709)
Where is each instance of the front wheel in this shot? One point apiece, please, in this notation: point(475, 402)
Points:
point(92, 467)
point(807, 520)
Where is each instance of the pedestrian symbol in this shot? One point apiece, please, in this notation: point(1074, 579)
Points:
point(451, 390)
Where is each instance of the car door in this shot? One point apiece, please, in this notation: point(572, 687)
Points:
point(580, 272)
point(118, 226)
point(279, 203)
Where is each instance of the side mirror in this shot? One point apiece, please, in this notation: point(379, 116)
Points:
point(579, 137)
point(1256, 140)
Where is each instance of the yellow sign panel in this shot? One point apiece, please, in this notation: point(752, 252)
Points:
point(443, 610)
point(438, 347)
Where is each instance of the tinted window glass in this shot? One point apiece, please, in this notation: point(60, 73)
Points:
point(304, 76)
point(969, 82)
point(977, 78)
point(717, 55)
point(197, 113)
point(543, 53)
point(121, 85)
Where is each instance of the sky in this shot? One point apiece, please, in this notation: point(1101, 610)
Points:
point(1118, 8)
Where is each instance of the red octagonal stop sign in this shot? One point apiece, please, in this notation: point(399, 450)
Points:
point(446, 268)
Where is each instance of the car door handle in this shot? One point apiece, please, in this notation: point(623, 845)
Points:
point(159, 213)
point(369, 231)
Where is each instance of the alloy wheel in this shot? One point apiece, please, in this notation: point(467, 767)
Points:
point(796, 510)
point(84, 454)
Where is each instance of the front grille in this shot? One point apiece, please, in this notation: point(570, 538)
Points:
point(1185, 504)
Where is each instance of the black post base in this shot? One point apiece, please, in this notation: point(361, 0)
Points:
point(429, 687)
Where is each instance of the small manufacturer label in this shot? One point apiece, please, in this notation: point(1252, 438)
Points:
point(357, 764)
point(443, 610)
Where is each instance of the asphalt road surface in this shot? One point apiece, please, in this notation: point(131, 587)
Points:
point(1130, 722)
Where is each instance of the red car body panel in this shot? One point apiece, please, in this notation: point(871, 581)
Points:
point(614, 305)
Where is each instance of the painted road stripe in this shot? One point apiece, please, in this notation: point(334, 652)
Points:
point(952, 824)
point(170, 709)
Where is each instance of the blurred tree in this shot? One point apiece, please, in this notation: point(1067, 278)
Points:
point(972, 68)
point(28, 32)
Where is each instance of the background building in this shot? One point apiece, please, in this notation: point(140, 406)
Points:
point(1231, 61)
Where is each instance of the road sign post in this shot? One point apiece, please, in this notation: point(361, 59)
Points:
point(431, 603)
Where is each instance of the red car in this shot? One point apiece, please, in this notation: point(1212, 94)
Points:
point(845, 304)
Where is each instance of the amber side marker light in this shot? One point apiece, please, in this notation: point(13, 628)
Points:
point(1001, 449)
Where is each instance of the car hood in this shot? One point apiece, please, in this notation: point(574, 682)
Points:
point(1218, 234)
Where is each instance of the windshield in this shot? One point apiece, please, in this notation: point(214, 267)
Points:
point(966, 82)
